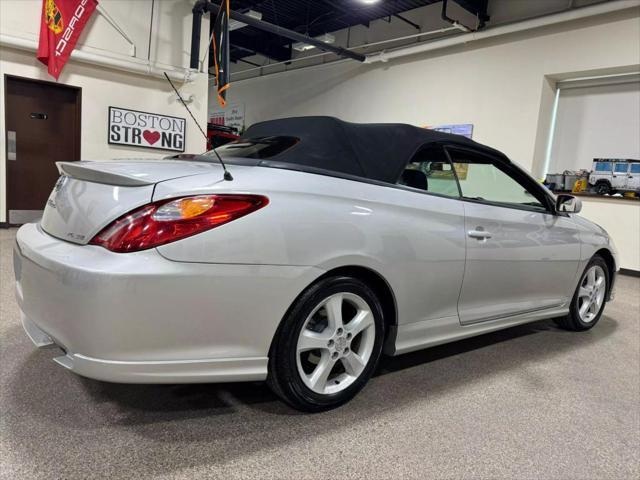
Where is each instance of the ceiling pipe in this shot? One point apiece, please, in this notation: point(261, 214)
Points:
point(126, 64)
point(284, 32)
point(196, 28)
point(357, 47)
point(566, 16)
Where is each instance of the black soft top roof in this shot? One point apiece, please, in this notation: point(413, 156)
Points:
point(378, 151)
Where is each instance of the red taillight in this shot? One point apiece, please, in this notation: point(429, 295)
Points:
point(170, 220)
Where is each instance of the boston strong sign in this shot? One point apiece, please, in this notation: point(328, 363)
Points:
point(142, 129)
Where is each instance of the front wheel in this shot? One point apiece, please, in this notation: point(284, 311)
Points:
point(603, 188)
point(589, 299)
point(328, 345)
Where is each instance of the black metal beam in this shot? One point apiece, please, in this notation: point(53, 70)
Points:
point(198, 11)
point(476, 7)
point(258, 45)
point(250, 63)
point(290, 34)
point(406, 20)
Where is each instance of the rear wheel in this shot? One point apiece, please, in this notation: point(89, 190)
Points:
point(590, 296)
point(328, 345)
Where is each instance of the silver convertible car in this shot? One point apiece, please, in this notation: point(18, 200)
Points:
point(316, 246)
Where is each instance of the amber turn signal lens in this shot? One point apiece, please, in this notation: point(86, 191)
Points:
point(192, 207)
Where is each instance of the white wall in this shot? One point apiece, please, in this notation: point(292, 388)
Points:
point(596, 122)
point(622, 220)
point(504, 86)
point(102, 87)
point(602, 122)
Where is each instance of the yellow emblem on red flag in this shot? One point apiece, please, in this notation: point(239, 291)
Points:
point(53, 17)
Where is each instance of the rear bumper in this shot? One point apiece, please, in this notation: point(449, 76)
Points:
point(158, 371)
point(140, 318)
point(173, 371)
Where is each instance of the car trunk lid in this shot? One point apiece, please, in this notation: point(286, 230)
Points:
point(90, 195)
point(133, 173)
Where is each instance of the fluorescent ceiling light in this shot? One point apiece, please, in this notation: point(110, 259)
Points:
point(303, 47)
point(369, 2)
point(235, 25)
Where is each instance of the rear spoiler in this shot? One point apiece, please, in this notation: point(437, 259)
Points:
point(92, 173)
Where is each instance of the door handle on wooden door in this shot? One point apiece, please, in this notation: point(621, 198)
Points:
point(11, 145)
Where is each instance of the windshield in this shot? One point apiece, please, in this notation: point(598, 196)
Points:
point(259, 148)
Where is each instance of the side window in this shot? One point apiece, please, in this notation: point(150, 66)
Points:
point(603, 166)
point(621, 167)
point(635, 168)
point(431, 171)
point(483, 179)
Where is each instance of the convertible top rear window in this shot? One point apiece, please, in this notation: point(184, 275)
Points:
point(259, 148)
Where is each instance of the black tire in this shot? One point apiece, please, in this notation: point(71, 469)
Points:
point(284, 377)
point(573, 320)
point(603, 187)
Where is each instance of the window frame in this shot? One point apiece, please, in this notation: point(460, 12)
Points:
point(617, 164)
point(512, 171)
point(446, 156)
point(609, 170)
point(508, 167)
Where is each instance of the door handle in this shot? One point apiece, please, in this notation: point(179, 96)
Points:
point(479, 234)
point(11, 145)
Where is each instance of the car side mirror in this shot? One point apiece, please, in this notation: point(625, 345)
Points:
point(568, 204)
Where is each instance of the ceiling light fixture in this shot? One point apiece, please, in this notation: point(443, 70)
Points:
point(369, 2)
point(303, 47)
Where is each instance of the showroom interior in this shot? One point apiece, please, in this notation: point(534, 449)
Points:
point(554, 85)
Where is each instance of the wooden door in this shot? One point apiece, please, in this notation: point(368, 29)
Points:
point(42, 127)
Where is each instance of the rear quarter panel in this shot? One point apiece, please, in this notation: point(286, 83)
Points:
point(414, 240)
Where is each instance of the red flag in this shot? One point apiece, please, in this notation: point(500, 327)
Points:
point(61, 25)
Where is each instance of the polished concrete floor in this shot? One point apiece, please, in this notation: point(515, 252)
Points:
point(529, 402)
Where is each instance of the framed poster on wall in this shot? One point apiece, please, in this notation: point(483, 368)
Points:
point(231, 116)
point(149, 130)
point(464, 129)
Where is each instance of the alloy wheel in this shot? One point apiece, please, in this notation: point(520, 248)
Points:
point(335, 343)
point(592, 293)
